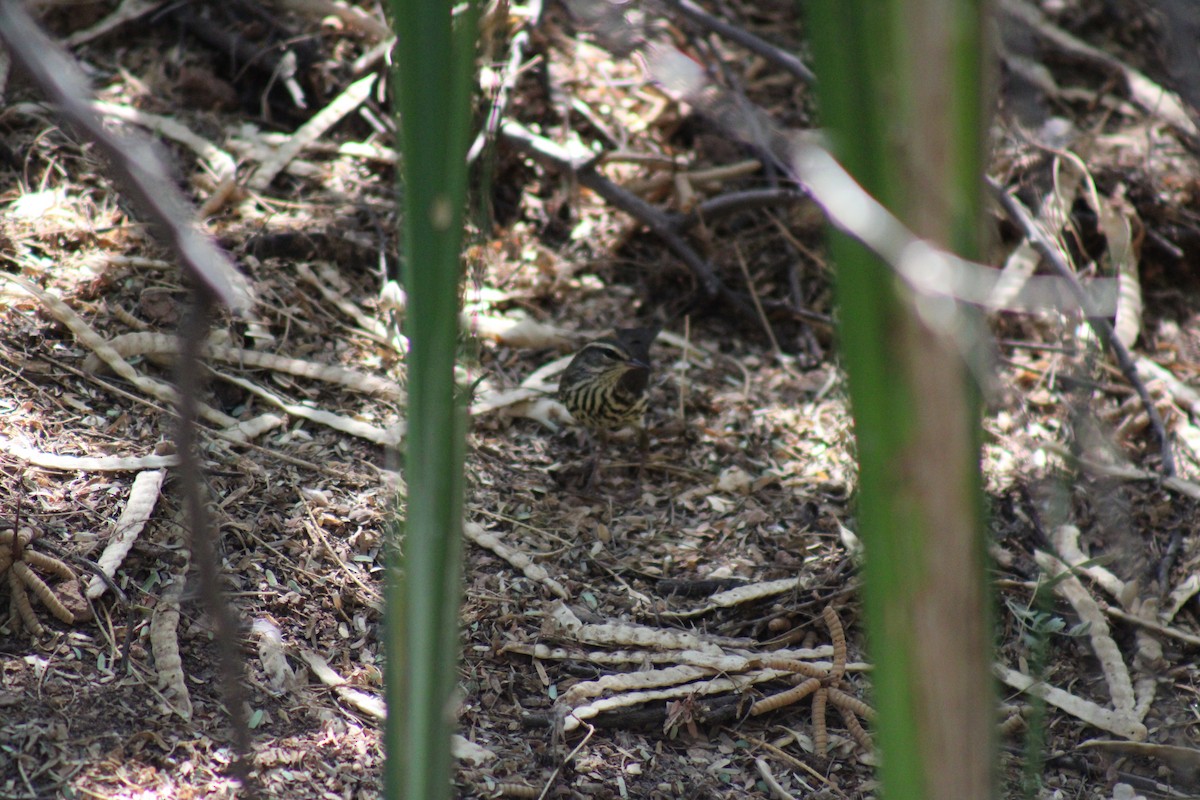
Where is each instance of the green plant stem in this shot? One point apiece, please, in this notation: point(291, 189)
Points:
point(434, 59)
point(902, 98)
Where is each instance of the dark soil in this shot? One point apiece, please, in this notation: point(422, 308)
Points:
point(750, 470)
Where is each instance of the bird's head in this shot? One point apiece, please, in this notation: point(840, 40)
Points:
point(623, 357)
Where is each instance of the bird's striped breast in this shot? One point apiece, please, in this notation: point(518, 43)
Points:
point(602, 400)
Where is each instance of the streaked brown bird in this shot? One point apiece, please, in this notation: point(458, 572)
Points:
point(604, 386)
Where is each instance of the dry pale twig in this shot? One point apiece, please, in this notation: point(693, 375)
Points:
point(353, 96)
point(143, 496)
point(764, 772)
point(164, 630)
point(162, 345)
point(387, 437)
point(1116, 674)
point(475, 533)
point(220, 163)
point(86, 463)
point(1104, 718)
point(788, 660)
point(1151, 625)
point(272, 654)
point(740, 595)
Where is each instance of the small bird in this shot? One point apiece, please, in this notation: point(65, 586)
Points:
point(604, 386)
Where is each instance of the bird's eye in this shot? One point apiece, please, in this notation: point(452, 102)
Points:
point(612, 354)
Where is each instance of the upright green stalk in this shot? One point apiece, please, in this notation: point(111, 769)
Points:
point(903, 100)
point(434, 58)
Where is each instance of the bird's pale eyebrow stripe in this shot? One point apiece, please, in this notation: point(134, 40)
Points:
point(611, 348)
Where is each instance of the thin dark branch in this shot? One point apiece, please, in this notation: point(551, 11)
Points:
point(132, 160)
point(240, 52)
point(193, 334)
point(583, 168)
point(778, 57)
point(732, 203)
point(785, 308)
point(1103, 328)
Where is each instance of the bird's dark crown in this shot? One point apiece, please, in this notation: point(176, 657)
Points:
point(627, 347)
